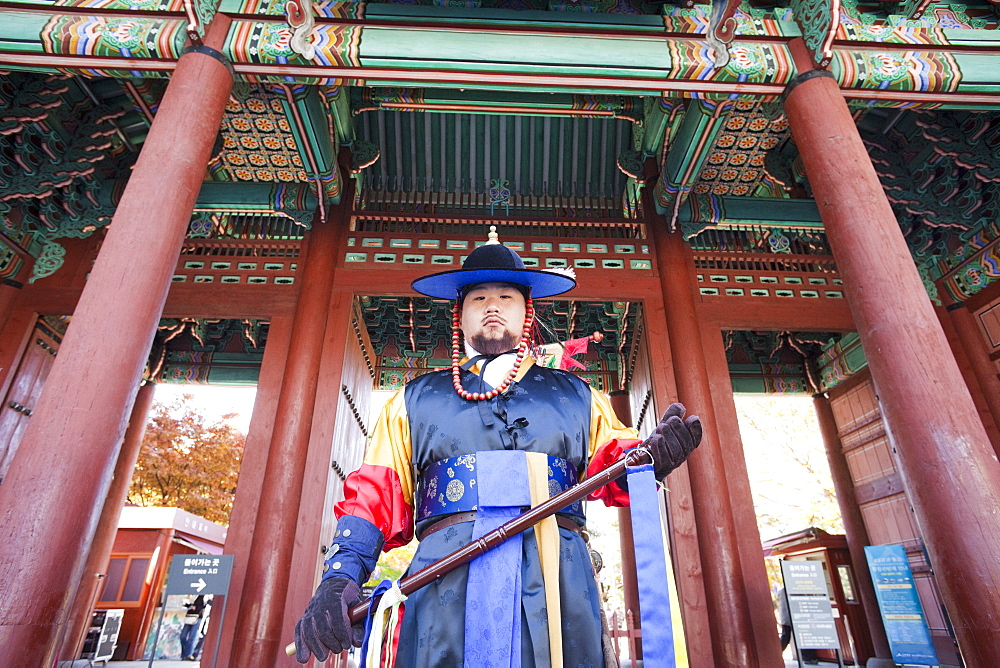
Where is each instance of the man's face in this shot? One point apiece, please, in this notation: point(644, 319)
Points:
point(493, 317)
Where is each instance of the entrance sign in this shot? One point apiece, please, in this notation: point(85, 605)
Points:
point(905, 624)
point(803, 578)
point(198, 574)
point(809, 605)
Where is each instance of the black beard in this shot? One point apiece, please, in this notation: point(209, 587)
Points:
point(493, 346)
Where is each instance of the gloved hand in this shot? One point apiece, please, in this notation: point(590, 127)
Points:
point(673, 440)
point(325, 627)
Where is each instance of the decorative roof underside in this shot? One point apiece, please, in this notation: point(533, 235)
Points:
point(539, 110)
point(568, 160)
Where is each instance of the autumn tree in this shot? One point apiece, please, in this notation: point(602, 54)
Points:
point(787, 464)
point(188, 462)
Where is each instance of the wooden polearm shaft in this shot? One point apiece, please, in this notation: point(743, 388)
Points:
point(487, 542)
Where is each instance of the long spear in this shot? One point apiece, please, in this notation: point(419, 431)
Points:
point(487, 542)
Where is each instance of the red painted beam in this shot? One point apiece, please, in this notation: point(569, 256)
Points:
point(800, 315)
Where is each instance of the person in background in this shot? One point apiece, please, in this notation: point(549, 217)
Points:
point(203, 628)
point(784, 619)
point(192, 622)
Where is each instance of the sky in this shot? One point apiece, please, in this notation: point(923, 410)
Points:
point(787, 464)
point(213, 401)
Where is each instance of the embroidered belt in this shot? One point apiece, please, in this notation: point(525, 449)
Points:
point(458, 518)
point(449, 486)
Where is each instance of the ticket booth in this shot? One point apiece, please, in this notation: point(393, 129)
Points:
point(147, 539)
point(849, 613)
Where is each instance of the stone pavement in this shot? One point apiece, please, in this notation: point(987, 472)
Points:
point(168, 663)
point(157, 663)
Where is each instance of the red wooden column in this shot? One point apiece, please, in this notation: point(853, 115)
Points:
point(10, 288)
point(854, 524)
point(725, 589)
point(8, 295)
point(107, 528)
point(758, 589)
point(971, 382)
point(69, 451)
point(983, 370)
point(253, 470)
point(684, 544)
point(258, 629)
point(945, 460)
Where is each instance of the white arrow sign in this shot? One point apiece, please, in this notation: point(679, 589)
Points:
point(199, 574)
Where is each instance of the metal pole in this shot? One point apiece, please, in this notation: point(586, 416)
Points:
point(218, 636)
point(159, 625)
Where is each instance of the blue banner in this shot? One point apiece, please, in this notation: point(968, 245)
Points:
point(651, 567)
point(905, 624)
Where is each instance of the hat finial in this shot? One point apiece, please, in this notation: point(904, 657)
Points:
point(494, 238)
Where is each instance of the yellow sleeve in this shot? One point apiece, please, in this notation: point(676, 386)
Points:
point(604, 423)
point(381, 491)
point(390, 444)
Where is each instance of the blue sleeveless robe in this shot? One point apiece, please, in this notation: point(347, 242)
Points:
point(547, 411)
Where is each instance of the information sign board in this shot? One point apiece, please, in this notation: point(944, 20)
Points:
point(809, 605)
point(903, 617)
point(195, 574)
point(812, 621)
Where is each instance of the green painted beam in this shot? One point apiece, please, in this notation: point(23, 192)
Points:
point(514, 53)
point(689, 149)
point(514, 18)
point(840, 360)
point(338, 103)
point(449, 100)
point(529, 51)
point(309, 124)
point(701, 211)
point(658, 117)
point(19, 32)
point(297, 201)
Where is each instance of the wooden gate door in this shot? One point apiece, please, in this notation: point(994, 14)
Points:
point(19, 403)
point(351, 426)
point(878, 488)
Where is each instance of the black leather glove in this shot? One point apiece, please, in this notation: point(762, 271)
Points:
point(673, 440)
point(325, 627)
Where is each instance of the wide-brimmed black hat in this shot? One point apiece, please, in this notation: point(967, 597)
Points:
point(493, 263)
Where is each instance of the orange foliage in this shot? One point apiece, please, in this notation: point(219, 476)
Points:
point(188, 463)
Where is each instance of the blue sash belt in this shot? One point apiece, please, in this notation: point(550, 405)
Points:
point(493, 596)
point(449, 486)
point(651, 567)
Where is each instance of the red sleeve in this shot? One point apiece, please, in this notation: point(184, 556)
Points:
point(375, 493)
point(611, 494)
